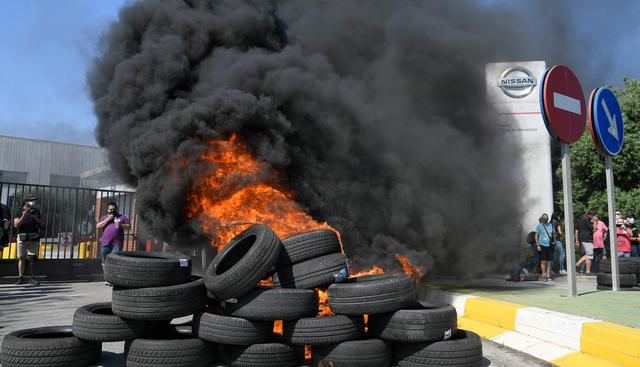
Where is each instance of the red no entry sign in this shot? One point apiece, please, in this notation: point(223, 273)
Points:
point(562, 104)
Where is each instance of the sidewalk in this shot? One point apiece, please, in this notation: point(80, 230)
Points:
point(544, 322)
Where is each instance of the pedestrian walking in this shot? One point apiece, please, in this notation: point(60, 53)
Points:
point(559, 248)
point(599, 234)
point(584, 240)
point(544, 239)
point(114, 225)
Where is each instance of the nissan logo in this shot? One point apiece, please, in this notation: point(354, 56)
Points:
point(517, 82)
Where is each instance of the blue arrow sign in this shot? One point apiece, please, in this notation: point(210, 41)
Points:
point(607, 121)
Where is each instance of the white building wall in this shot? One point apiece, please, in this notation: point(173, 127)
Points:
point(520, 120)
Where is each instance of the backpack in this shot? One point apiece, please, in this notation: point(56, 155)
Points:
point(531, 238)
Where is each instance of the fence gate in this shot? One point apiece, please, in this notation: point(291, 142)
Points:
point(70, 242)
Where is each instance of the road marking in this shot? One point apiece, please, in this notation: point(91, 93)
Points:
point(566, 103)
point(613, 123)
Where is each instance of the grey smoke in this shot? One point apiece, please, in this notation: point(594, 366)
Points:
point(374, 111)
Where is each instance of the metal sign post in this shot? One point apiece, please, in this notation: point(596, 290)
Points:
point(611, 198)
point(564, 113)
point(607, 130)
point(568, 219)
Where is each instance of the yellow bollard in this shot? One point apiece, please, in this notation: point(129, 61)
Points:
point(82, 250)
point(10, 251)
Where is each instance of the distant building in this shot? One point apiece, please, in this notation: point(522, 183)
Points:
point(42, 162)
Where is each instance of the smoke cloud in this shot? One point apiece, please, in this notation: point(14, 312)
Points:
point(374, 111)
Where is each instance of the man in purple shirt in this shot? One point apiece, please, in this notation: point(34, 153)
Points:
point(114, 225)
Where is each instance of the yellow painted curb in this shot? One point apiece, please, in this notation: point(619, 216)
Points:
point(615, 343)
point(497, 313)
point(485, 331)
point(578, 359)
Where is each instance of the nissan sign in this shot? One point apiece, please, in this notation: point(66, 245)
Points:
point(517, 82)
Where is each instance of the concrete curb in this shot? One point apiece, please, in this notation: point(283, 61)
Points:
point(558, 338)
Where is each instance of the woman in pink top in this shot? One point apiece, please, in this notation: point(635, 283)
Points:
point(600, 230)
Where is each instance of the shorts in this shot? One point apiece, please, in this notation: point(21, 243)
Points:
point(546, 253)
point(25, 247)
point(588, 249)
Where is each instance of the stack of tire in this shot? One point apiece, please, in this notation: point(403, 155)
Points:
point(400, 329)
point(149, 290)
point(629, 274)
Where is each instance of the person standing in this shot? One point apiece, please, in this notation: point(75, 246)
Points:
point(559, 248)
point(599, 234)
point(544, 238)
point(114, 225)
point(623, 238)
point(584, 239)
point(28, 222)
point(635, 237)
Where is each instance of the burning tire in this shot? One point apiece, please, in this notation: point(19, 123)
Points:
point(626, 266)
point(138, 269)
point(243, 262)
point(270, 304)
point(159, 303)
point(421, 322)
point(355, 353)
point(314, 273)
point(372, 294)
point(96, 322)
point(626, 280)
point(231, 330)
point(323, 330)
point(48, 346)
point(464, 349)
point(306, 246)
point(179, 349)
point(261, 355)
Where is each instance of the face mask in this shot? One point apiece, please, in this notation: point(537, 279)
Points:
point(544, 219)
point(113, 211)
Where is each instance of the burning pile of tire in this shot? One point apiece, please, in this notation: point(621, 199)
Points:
point(233, 316)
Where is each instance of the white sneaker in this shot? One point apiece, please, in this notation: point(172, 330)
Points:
point(563, 272)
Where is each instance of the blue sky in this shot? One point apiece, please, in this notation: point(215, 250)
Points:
point(46, 47)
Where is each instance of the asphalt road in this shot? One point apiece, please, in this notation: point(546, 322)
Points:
point(52, 304)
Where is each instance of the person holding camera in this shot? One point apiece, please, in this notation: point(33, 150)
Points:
point(623, 238)
point(27, 222)
point(114, 225)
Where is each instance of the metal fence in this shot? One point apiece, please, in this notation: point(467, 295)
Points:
point(70, 215)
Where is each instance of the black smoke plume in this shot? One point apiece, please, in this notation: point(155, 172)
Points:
point(374, 111)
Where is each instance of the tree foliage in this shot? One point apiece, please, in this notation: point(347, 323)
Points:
point(587, 166)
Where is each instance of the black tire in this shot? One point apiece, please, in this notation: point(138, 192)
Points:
point(231, 330)
point(306, 246)
point(354, 353)
point(314, 273)
point(179, 349)
point(261, 355)
point(243, 262)
point(270, 304)
point(372, 294)
point(421, 322)
point(159, 303)
point(96, 322)
point(323, 330)
point(139, 269)
point(464, 349)
point(625, 266)
point(626, 280)
point(48, 346)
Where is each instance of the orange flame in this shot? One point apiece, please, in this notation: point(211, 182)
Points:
point(241, 191)
point(307, 353)
point(366, 323)
point(374, 270)
point(323, 303)
point(277, 327)
point(266, 282)
point(414, 272)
